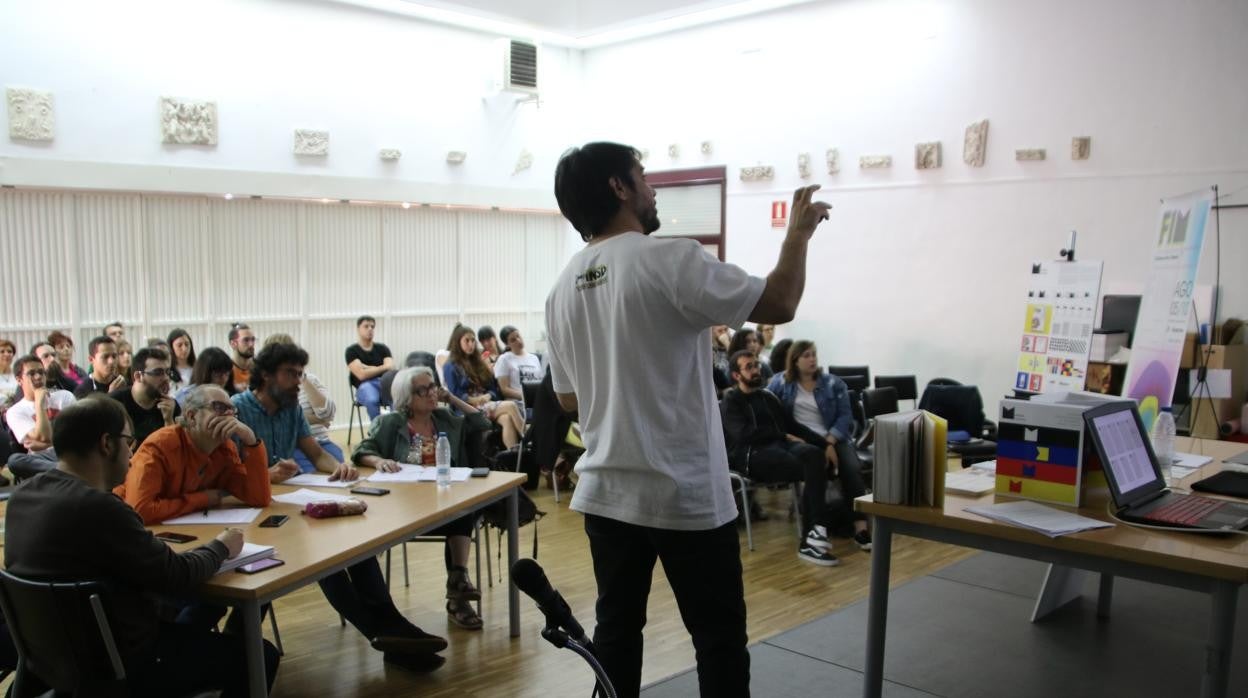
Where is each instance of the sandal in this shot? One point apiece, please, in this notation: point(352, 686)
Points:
point(460, 587)
point(461, 613)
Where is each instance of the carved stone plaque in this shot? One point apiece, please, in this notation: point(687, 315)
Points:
point(927, 155)
point(1080, 147)
point(311, 142)
point(524, 162)
point(31, 117)
point(389, 153)
point(758, 173)
point(834, 160)
point(1029, 154)
point(875, 162)
point(803, 165)
point(185, 122)
point(975, 144)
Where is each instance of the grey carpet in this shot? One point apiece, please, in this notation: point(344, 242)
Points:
point(964, 631)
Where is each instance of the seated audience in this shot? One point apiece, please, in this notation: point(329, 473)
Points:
point(193, 465)
point(8, 381)
point(147, 399)
point(516, 366)
point(489, 344)
point(64, 347)
point(66, 525)
point(766, 335)
point(415, 424)
point(367, 361)
point(243, 345)
point(103, 377)
point(467, 376)
point(318, 408)
point(30, 418)
point(748, 340)
point(182, 351)
point(359, 593)
point(54, 378)
point(767, 445)
point(212, 367)
point(125, 359)
point(116, 331)
point(820, 401)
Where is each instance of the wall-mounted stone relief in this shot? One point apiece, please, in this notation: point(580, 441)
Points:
point(1029, 154)
point(875, 162)
point(975, 144)
point(803, 165)
point(184, 122)
point(524, 162)
point(706, 147)
point(389, 154)
point(834, 160)
point(311, 142)
point(758, 173)
point(1080, 147)
point(927, 156)
point(31, 117)
point(673, 151)
point(456, 157)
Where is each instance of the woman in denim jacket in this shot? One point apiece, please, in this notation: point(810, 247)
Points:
point(821, 402)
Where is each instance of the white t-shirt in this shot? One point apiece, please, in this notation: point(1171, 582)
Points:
point(654, 442)
point(806, 411)
point(21, 417)
point(518, 369)
point(8, 386)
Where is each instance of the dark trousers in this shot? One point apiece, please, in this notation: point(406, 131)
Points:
point(849, 472)
point(790, 461)
point(704, 569)
point(191, 660)
point(360, 595)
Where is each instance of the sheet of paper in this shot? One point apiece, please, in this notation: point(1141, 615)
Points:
point(971, 481)
point(407, 473)
point(303, 495)
point(217, 516)
point(1048, 520)
point(317, 480)
point(1190, 460)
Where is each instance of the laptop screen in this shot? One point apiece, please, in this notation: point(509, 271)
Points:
point(1125, 454)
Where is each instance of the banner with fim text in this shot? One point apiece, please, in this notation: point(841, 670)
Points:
point(1157, 346)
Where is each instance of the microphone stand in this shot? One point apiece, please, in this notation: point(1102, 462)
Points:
point(557, 637)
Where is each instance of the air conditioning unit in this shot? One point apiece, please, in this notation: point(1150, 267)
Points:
point(519, 66)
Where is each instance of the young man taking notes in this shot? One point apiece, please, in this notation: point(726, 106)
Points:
point(654, 477)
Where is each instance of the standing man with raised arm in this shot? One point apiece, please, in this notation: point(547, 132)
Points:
point(654, 478)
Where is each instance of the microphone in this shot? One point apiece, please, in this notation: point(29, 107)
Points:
point(532, 580)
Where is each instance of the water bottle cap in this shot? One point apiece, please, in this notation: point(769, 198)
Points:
point(442, 433)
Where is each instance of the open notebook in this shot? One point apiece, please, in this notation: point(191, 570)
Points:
point(910, 459)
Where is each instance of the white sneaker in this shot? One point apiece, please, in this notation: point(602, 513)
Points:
point(817, 537)
point(816, 556)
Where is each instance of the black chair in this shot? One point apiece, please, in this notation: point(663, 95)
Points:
point(856, 382)
point(355, 415)
point(878, 401)
point(844, 371)
point(860, 415)
point(963, 408)
point(62, 636)
point(423, 358)
point(906, 386)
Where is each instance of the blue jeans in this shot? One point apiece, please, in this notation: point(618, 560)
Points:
point(368, 394)
point(305, 465)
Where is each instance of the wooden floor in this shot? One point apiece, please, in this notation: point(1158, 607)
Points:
point(324, 659)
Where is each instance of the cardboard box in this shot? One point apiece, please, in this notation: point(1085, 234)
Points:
point(1043, 452)
point(1205, 422)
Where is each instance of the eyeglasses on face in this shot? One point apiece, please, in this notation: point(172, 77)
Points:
point(223, 409)
point(425, 390)
point(161, 373)
point(295, 373)
point(131, 442)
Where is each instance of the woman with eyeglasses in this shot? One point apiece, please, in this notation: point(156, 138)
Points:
point(409, 435)
point(318, 408)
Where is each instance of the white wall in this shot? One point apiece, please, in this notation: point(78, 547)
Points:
point(922, 272)
point(373, 80)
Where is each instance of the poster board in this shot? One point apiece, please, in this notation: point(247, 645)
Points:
point(1057, 326)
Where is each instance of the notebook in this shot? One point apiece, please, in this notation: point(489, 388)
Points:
point(1135, 481)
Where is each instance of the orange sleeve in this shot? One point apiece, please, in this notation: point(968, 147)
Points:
point(144, 489)
point(247, 479)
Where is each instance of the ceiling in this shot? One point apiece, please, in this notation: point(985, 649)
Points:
point(577, 23)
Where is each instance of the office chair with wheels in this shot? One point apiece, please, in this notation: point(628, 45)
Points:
point(62, 636)
point(906, 386)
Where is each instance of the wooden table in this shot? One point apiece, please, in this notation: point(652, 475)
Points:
point(1216, 565)
point(316, 548)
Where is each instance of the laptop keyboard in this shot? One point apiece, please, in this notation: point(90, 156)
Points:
point(1186, 511)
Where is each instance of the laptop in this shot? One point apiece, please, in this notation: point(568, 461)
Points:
point(1136, 484)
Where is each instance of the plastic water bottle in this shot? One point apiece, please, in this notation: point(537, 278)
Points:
point(1163, 441)
point(416, 449)
point(444, 460)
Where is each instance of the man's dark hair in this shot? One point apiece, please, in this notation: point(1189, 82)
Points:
point(365, 318)
point(95, 344)
point(19, 365)
point(236, 328)
point(583, 184)
point(271, 358)
point(780, 356)
point(484, 333)
point(212, 360)
point(505, 334)
point(139, 364)
point(734, 360)
point(76, 431)
point(737, 343)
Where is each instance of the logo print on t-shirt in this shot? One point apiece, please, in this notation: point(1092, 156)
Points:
point(594, 276)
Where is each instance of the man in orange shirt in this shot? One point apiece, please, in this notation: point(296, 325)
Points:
point(192, 466)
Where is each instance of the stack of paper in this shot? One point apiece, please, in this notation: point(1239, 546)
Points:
point(217, 516)
point(980, 478)
point(416, 473)
point(1038, 517)
point(303, 495)
point(317, 480)
point(250, 553)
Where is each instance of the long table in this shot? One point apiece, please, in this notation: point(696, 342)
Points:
point(316, 548)
point(1213, 564)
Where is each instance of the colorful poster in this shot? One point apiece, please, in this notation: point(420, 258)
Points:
point(1057, 326)
point(1157, 346)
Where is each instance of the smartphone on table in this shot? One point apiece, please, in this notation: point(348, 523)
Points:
point(261, 565)
point(371, 491)
point(176, 537)
point(274, 521)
